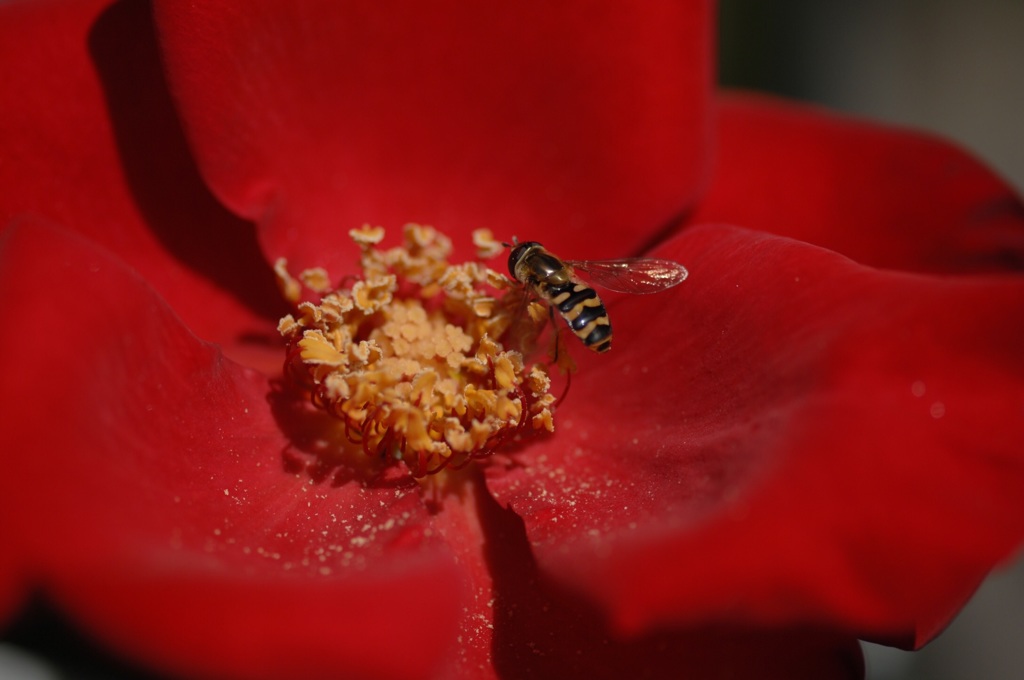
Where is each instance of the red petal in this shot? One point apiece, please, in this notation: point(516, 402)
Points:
point(883, 196)
point(148, 488)
point(11, 592)
point(550, 120)
point(787, 437)
point(211, 621)
point(537, 628)
point(90, 140)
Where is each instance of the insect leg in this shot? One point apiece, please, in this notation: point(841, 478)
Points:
point(565, 390)
point(556, 329)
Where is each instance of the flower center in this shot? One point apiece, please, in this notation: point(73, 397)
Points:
point(410, 356)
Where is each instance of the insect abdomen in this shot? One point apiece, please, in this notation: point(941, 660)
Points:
point(582, 309)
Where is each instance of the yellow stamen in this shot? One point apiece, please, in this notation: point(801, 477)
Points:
point(410, 357)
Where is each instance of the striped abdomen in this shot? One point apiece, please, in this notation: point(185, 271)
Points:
point(582, 309)
point(535, 267)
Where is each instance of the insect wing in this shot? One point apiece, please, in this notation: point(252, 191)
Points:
point(633, 275)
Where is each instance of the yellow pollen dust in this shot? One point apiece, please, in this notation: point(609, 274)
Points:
point(409, 357)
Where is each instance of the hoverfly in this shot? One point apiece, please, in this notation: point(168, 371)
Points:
point(555, 281)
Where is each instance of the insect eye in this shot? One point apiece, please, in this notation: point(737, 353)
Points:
point(513, 258)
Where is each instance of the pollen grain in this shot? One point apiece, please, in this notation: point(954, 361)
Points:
point(409, 355)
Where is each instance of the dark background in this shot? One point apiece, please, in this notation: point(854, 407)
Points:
point(954, 67)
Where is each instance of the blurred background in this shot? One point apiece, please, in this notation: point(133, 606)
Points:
point(952, 67)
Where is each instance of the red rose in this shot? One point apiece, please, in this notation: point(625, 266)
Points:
point(815, 438)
